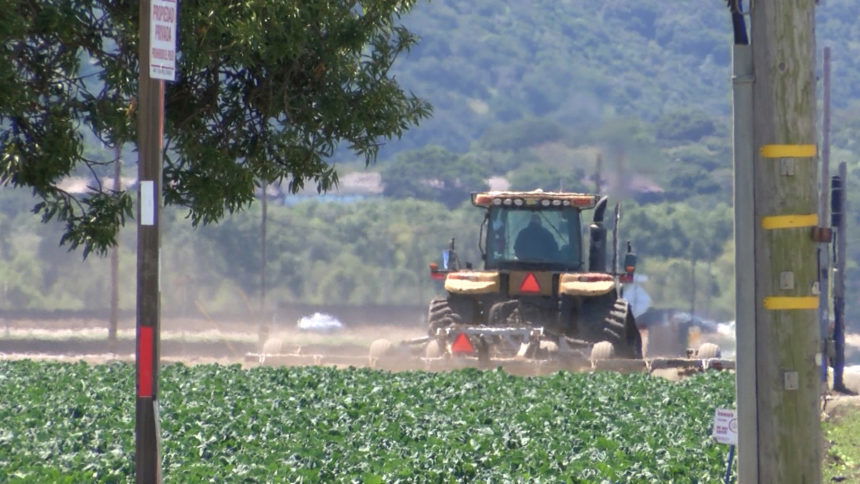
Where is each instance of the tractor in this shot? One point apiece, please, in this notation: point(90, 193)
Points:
point(541, 302)
point(538, 296)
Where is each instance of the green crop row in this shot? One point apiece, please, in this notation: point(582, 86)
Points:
point(75, 423)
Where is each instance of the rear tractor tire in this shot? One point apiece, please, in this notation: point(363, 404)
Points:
point(444, 312)
point(618, 327)
point(505, 313)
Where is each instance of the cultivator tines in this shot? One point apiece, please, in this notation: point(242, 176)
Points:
point(518, 350)
point(299, 359)
point(690, 364)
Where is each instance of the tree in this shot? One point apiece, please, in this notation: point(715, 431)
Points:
point(547, 178)
point(266, 92)
point(685, 125)
point(521, 134)
point(433, 173)
point(678, 230)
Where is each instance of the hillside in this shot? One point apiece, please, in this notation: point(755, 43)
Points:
point(532, 93)
point(487, 62)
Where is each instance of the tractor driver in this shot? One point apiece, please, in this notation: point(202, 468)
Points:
point(535, 242)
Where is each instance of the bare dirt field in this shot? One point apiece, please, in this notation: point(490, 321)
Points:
point(228, 341)
point(189, 340)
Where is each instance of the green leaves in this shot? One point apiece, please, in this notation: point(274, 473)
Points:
point(63, 422)
point(322, 424)
point(93, 222)
point(266, 91)
point(269, 90)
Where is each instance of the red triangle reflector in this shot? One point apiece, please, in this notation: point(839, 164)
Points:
point(530, 284)
point(462, 344)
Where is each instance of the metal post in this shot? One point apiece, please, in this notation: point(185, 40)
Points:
point(786, 214)
point(839, 210)
point(727, 479)
point(150, 129)
point(744, 199)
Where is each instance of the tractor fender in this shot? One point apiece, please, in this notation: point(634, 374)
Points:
point(573, 285)
point(473, 282)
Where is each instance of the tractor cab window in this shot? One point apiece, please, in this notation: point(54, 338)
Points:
point(526, 237)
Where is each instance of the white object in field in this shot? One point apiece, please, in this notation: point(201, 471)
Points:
point(726, 329)
point(319, 322)
point(638, 298)
point(147, 202)
point(725, 426)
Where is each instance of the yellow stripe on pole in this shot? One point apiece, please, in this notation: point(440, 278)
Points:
point(789, 221)
point(789, 151)
point(778, 303)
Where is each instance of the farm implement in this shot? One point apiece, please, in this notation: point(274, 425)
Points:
point(527, 352)
point(517, 350)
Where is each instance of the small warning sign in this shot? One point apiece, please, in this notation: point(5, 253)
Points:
point(725, 426)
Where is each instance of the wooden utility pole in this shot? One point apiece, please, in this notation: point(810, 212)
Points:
point(787, 349)
point(114, 260)
point(693, 261)
point(263, 221)
point(157, 56)
point(824, 214)
point(262, 329)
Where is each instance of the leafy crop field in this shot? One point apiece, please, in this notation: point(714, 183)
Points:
point(75, 423)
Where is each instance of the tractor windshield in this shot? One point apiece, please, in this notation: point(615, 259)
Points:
point(530, 237)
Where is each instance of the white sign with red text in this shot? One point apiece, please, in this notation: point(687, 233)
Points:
point(726, 426)
point(162, 39)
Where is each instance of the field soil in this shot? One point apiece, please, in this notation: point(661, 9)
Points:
point(232, 341)
point(187, 340)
